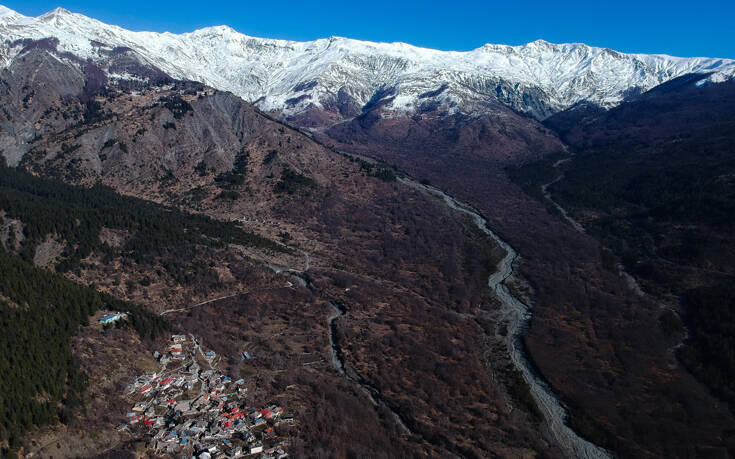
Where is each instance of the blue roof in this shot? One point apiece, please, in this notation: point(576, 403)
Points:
point(110, 318)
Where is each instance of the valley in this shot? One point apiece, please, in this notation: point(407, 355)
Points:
point(359, 249)
point(344, 232)
point(516, 315)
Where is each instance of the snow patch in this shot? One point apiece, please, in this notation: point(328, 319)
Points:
point(539, 77)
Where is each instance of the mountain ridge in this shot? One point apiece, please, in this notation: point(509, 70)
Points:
point(343, 75)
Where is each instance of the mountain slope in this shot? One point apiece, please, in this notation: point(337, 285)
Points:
point(411, 273)
point(668, 163)
point(87, 102)
point(341, 75)
point(593, 338)
point(652, 180)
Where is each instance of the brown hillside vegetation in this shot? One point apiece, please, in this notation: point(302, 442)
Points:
point(416, 272)
point(595, 340)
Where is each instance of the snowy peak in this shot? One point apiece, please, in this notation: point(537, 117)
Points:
point(55, 13)
point(346, 76)
point(5, 11)
point(8, 15)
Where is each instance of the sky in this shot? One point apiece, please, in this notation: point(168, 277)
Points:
point(679, 28)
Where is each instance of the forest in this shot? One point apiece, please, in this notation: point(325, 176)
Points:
point(40, 312)
point(77, 214)
point(292, 181)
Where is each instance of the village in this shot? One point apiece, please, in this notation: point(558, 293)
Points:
point(191, 409)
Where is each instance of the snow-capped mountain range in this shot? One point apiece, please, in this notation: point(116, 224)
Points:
point(343, 75)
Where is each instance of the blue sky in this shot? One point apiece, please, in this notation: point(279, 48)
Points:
point(675, 27)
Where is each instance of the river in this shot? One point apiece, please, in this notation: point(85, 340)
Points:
point(517, 316)
point(372, 393)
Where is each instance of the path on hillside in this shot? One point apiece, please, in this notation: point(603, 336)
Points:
point(186, 308)
point(545, 191)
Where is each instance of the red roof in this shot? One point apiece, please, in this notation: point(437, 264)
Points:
point(266, 413)
point(145, 388)
point(167, 380)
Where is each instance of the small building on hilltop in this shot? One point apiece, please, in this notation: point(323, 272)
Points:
point(109, 318)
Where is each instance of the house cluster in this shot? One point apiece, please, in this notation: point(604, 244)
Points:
point(192, 411)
